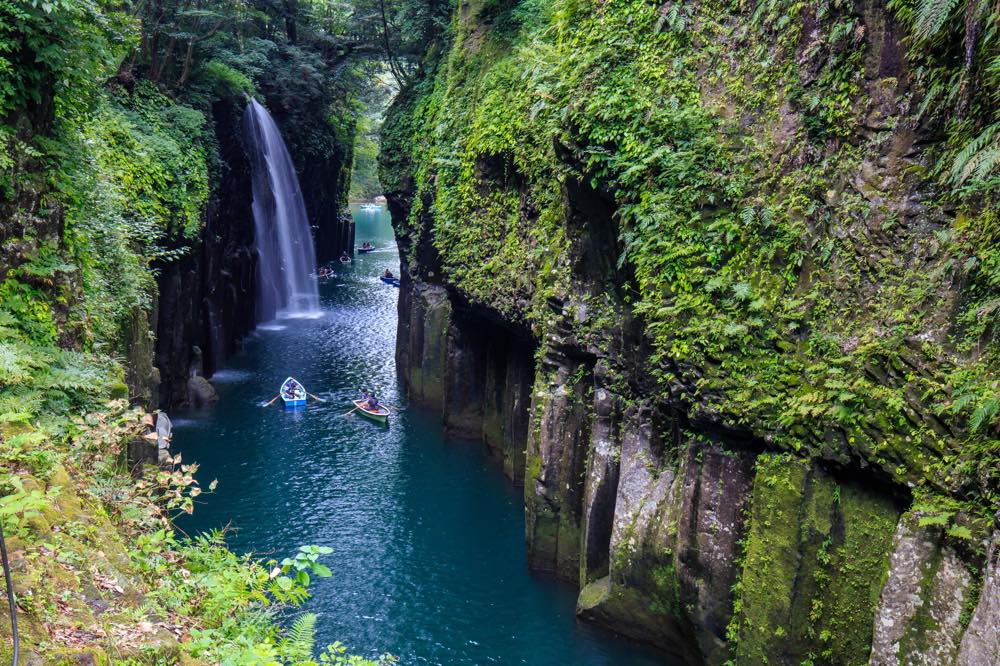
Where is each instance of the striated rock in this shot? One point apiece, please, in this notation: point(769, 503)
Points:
point(981, 642)
point(919, 616)
point(675, 544)
point(506, 398)
point(555, 460)
point(600, 489)
point(714, 496)
point(422, 342)
point(463, 379)
point(816, 549)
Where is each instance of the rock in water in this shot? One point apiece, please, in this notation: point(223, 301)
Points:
point(201, 392)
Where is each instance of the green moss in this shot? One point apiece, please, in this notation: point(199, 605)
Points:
point(770, 564)
point(768, 297)
point(815, 558)
point(593, 594)
point(666, 593)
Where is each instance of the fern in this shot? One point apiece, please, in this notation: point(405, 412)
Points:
point(973, 158)
point(932, 15)
point(298, 645)
point(984, 414)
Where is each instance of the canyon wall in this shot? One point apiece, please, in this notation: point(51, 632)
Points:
point(688, 273)
point(206, 300)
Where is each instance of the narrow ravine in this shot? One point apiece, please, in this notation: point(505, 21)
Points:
point(429, 560)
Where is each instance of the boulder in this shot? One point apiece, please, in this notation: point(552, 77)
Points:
point(201, 392)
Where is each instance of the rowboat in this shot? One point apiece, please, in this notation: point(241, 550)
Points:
point(292, 393)
point(365, 250)
point(393, 281)
point(345, 260)
point(381, 414)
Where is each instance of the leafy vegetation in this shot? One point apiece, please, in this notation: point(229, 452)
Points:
point(809, 303)
point(108, 118)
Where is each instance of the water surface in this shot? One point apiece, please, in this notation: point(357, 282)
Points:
point(429, 559)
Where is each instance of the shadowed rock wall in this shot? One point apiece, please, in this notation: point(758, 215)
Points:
point(206, 302)
point(726, 446)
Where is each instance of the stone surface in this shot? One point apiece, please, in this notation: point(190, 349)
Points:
point(981, 642)
point(919, 616)
point(421, 348)
point(816, 550)
point(601, 487)
point(201, 392)
point(555, 460)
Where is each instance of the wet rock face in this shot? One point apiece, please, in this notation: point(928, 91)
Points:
point(714, 497)
point(421, 350)
point(600, 488)
point(207, 297)
point(674, 548)
point(478, 376)
point(201, 393)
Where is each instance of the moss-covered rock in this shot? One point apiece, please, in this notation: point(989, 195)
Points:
point(815, 554)
point(921, 607)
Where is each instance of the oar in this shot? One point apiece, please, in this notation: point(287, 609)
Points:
point(315, 397)
point(352, 411)
point(272, 401)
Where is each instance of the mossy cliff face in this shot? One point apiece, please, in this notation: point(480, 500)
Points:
point(757, 303)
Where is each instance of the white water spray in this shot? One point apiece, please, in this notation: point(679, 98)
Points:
point(286, 257)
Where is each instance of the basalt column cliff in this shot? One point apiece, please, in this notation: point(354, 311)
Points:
point(717, 283)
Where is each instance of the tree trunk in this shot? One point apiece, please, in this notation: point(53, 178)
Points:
point(291, 29)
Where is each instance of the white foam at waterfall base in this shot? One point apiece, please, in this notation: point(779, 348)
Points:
point(286, 256)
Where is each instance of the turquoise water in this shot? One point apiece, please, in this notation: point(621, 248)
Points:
point(429, 559)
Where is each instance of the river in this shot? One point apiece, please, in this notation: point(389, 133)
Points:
point(429, 558)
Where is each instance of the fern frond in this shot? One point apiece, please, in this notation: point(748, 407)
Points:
point(986, 163)
point(300, 642)
point(970, 158)
point(984, 414)
point(932, 15)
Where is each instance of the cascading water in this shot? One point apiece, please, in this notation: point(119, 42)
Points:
point(286, 256)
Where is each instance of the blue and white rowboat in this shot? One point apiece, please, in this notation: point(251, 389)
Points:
point(293, 394)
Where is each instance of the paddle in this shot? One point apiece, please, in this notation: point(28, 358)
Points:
point(352, 411)
point(314, 397)
point(268, 404)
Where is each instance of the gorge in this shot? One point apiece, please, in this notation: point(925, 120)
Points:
point(714, 286)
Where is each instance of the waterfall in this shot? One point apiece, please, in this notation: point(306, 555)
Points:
point(286, 257)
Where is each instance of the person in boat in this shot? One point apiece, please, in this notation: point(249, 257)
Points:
point(344, 256)
point(372, 403)
point(387, 274)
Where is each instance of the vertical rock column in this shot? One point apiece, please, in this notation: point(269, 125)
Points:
point(421, 350)
point(919, 616)
point(555, 463)
point(815, 556)
point(678, 520)
point(981, 642)
point(506, 402)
